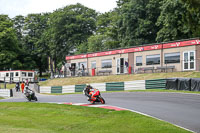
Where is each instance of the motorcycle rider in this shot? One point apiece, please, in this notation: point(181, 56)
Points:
point(28, 91)
point(87, 91)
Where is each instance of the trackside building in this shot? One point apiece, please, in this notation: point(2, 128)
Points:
point(182, 55)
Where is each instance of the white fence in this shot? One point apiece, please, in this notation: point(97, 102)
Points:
point(5, 92)
point(45, 89)
point(134, 85)
point(68, 89)
point(100, 86)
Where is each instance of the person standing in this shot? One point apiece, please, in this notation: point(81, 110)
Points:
point(16, 86)
point(126, 64)
point(27, 83)
point(22, 86)
point(83, 70)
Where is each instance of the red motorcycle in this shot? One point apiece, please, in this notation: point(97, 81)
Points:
point(96, 96)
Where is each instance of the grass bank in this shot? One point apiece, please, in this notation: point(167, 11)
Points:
point(8, 86)
point(117, 78)
point(53, 118)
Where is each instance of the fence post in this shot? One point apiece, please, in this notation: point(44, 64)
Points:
point(4, 82)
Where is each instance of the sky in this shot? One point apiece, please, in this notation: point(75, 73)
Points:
point(13, 8)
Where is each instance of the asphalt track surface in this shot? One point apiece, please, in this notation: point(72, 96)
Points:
point(177, 108)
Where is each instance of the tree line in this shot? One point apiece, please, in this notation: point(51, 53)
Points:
point(37, 41)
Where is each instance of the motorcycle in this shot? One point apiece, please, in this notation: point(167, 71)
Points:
point(30, 95)
point(95, 96)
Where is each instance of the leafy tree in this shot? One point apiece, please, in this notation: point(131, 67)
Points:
point(8, 45)
point(69, 27)
point(107, 27)
point(35, 25)
point(19, 26)
point(191, 18)
point(137, 21)
point(194, 4)
point(171, 21)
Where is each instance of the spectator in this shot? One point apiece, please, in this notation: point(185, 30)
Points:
point(17, 87)
point(22, 86)
point(27, 83)
point(126, 64)
point(83, 70)
point(73, 70)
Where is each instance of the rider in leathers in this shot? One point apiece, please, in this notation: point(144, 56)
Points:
point(87, 91)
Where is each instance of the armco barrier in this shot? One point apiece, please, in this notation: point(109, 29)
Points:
point(45, 89)
point(100, 86)
point(5, 93)
point(134, 85)
point(79, 88)
point(155, 84)
point(68, 89)
point(56, 89)
point(115, 86)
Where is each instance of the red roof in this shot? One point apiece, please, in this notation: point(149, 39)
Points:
point(137, 49)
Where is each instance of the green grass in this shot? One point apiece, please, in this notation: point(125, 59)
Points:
point(1, 98)
point(8, 86)
point(117, 78)
point(54, 118)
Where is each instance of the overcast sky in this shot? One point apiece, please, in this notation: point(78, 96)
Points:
point(24, 7)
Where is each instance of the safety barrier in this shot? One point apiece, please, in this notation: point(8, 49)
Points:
point(100, 86)
point(45, 89)
point(115, 86)
point(155, 84)
point(68, 89)
point(135, 85)
point(5, 93)
point(192, 84)
point(187, 84)
point(56, 89)
point(79, 88)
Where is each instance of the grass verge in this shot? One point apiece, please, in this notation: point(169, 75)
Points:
point(53, 118)
point(8, 86)
point(117, 78)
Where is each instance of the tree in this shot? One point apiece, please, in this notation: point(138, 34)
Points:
point(194, 4)
point(107, 27)
point(171, 22)
point(34, 44)
point(137, 21)
point(192, 18)
point(19, 26)
point(8, 45)
point(69, 27)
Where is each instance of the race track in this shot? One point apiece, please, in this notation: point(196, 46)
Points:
point(177, 108)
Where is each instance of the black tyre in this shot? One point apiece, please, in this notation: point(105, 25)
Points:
point(36, 99)
point(102, 100)
point(29, 98)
